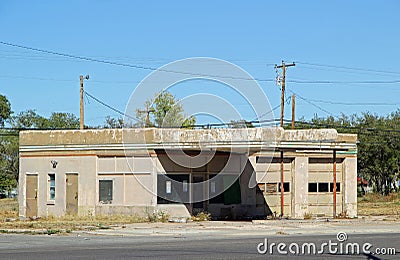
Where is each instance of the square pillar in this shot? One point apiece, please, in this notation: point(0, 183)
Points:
point(300, 187)
point(350, 186)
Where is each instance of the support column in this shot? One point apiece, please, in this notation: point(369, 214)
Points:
point(350, 186)
point(300, 187)
point(334, 184)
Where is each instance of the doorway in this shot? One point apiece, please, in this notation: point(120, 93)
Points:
point(199, 192)
point(31, 195)
point(71, 182)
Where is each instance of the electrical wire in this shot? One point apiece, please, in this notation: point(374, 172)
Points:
point(84, 58)
point(353, 103)
point(348, 68)
point(128, 65)
point(110, 107)
point(311, 103)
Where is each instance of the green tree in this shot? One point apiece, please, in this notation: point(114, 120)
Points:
point(57, 120)
point(9, 141)
point(113, 122)
point(9, 160)
point(166, 111)
point(5, 110)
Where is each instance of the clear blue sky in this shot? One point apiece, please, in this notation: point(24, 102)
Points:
point(253, 34)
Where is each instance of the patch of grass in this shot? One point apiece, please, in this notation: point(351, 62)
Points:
point(307, 215)
point(52, 231)
point(8, 208)
point(379, 205)
point(101, 226)
point(9, 220)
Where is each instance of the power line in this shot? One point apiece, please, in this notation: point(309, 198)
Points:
point(110, 107)
point(344, 82)
point(125, 64)
point(311, 103)
point(353, 103)
point(84, 58)
point(349, 68)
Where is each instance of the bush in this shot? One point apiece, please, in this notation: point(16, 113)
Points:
point(157, 215)
point(202, 216)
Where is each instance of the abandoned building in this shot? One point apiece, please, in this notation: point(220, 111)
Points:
point(230, 173)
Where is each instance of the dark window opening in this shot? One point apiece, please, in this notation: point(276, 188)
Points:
point(312, 187)
point(323, 187)
point(230, 185)
point(172, 188)
point(337, 187)
point(105, 191)
point(286, 187)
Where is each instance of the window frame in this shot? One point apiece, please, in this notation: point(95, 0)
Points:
point(106, 202)
point(50, 187)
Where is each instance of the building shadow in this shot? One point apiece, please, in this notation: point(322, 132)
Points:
point(182, 184)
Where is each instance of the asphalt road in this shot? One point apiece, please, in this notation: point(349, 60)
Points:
point(193, 246)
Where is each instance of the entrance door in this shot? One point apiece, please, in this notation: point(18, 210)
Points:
point(198, 194)
point(31, 195)
point(72, 194)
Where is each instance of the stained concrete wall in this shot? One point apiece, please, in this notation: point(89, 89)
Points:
point(84, 166)
point(97, 154)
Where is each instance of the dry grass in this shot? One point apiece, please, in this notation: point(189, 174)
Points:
point(202, 216)
point(8, 208)
point(52, 225)
point(379, 205)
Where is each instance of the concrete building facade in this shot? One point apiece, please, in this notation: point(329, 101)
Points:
point(231, 173)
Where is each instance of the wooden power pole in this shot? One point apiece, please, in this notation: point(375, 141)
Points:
point(81, 105)
point(283, 83)
point(293, 110)
point(148, 110)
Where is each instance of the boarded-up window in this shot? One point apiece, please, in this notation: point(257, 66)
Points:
point(270, 188)
point(261, 187)
point(105, 191)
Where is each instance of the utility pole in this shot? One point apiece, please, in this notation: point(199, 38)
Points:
point(283, 67)
point(293, 109)
point(148, 110)
point(81, 108)
point(283, 82)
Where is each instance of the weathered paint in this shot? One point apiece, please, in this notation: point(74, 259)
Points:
point(130, 158)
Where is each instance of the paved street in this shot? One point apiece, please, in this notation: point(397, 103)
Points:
point(237, 245)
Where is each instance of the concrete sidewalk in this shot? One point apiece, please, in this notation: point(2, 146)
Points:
point(258, 227)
